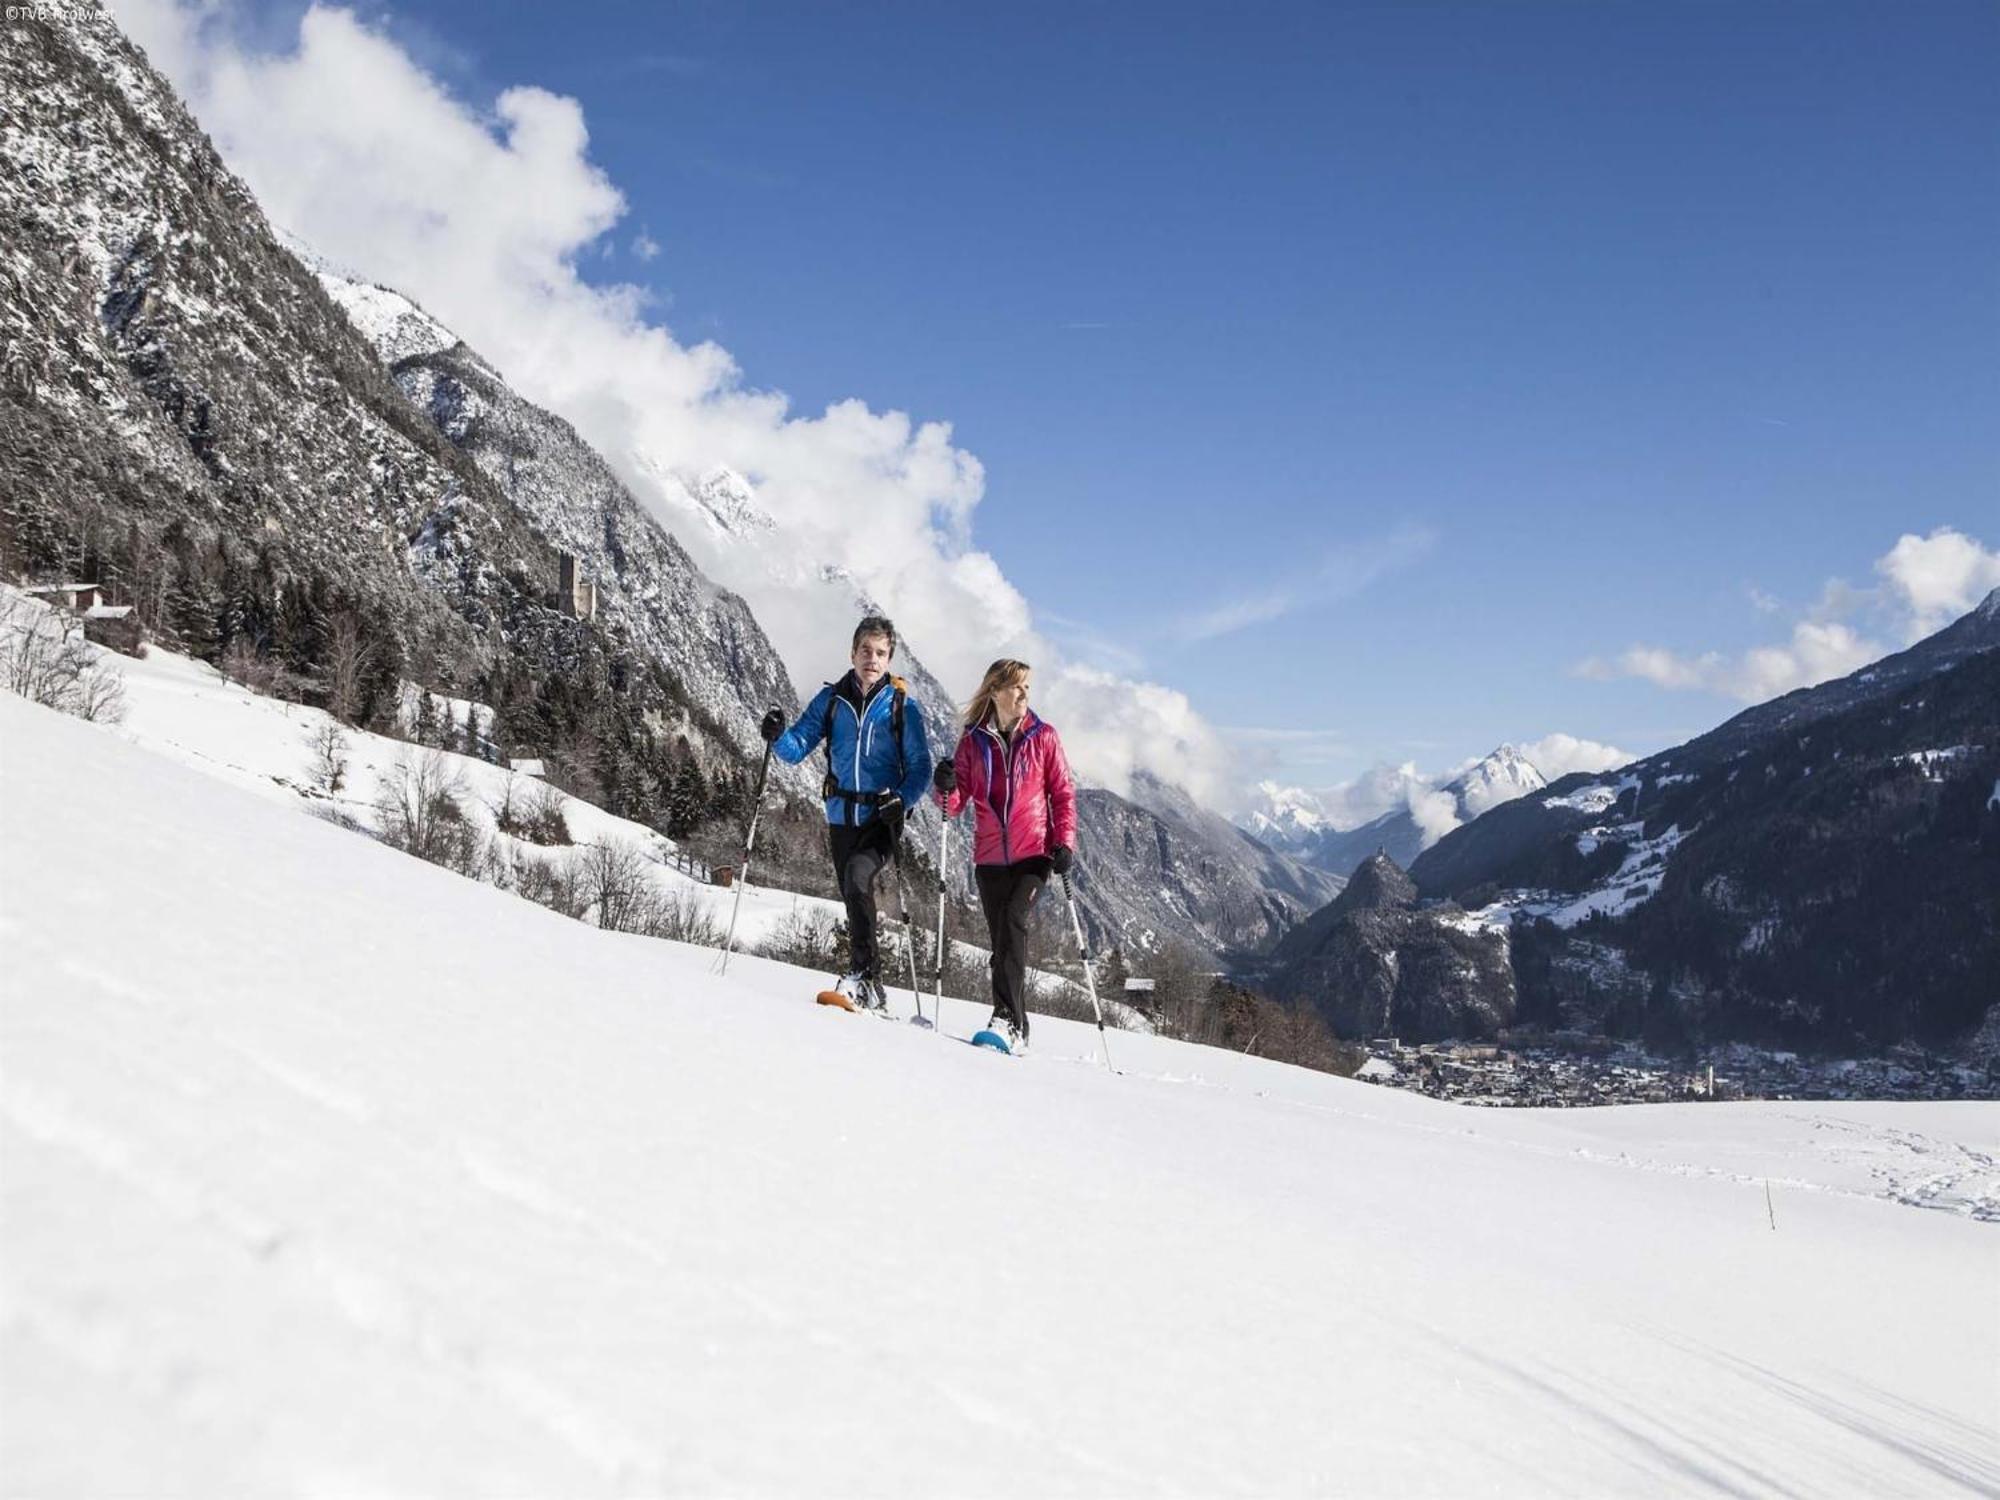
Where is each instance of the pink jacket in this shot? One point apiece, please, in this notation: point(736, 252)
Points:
point(1023, 801)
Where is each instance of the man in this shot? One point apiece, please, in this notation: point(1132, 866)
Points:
point(878, 765)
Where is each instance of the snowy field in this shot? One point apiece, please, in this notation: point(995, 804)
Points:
point(190, 712)
point(327, 1172)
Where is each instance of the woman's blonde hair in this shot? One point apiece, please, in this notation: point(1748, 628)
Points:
point(1003, 674)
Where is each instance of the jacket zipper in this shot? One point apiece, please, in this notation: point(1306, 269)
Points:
point(861, 715)
point(852, 820)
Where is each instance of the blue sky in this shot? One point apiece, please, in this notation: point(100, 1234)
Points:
point(1432, 349)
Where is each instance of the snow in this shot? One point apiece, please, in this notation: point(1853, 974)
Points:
point(1927, 760)
point(1637, 879)
point(327, 1171)
point(393, 324)
point(1595, 798)
point(1285, 816)
point(189, 711)
point(1475, 923)
point(1500, 777)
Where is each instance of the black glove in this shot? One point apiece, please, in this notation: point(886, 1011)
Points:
point(1060, 859)
point(945, 777)
point(773, 725)
point(889, 813)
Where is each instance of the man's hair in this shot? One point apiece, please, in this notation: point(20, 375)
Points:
point(874, 625)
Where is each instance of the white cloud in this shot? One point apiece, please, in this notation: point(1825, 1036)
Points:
point(645, 246)
point(1436, 814)
point(1238, 614)
point(1385, 787)
point(1937, 578)
point(1557, 755)
point(1342, 573)
point(483, 216)
point(1816, 653)
point(1375, 791)
point(1927, 582)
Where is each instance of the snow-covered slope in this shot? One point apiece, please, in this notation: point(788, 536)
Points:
point(328, 1172)
point(189, 712)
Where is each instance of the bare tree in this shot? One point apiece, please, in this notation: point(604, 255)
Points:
point(1181, 986)
point(549, 882)
point(803, 936)
point(242, 663)
point(617, 883)
point(44, 658)
point(532, 810)
point(329, 751)
point(546, 823)
point(683, 918)
point(348, 657)
point(421, 812)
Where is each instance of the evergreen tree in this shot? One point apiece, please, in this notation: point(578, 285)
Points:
point(192, 607)
point(687, 803)
point(642, 800)
point(232, 599)
point(382, 679)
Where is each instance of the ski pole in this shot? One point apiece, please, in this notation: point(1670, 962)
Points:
point(1089, 977)
point(944, 845)
point(743, 870)
point(909, 931)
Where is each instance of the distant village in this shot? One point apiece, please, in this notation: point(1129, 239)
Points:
point(1576, 1072)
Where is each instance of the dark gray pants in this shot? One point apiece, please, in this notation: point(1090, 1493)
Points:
point(1007, 894)
point(858, 857)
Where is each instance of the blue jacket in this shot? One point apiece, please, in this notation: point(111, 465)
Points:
point(863, 748)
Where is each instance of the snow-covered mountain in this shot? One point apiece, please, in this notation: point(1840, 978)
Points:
point(1500, 777)
point(1162, 867)
point(190, 419)
point(171, 368)
point(1427, 813)
point(1818, 871)
point(1375, 964)
point(1288, 818)
point(329, 1172)
point(648, 590)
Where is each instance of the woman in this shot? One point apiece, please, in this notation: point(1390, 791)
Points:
point(1009, 765)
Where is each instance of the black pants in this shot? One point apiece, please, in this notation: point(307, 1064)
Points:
point(858, 856)
point(1007, 893)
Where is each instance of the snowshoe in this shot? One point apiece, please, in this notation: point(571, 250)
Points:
point(850, 993)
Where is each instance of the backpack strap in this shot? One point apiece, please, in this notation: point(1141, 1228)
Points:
point(896, 727)
point(831, 787)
